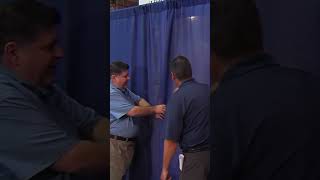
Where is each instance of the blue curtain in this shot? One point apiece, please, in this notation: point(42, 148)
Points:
point(147, 38)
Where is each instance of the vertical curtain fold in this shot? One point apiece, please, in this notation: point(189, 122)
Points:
point(147, 38)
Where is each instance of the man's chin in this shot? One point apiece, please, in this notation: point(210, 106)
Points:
point(47, 82)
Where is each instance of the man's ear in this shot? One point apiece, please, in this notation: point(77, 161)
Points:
point(173, 76)
point(10, 53)
point(112, 76)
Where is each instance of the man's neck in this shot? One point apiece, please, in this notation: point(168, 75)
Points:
point(179, 83)
point(224, 64)
point(119, 87)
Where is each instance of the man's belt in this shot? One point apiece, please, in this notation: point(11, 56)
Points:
point(121, 138)
point(195, 149)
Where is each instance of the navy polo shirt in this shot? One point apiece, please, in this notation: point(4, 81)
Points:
point(266, 123)
point(187, 116)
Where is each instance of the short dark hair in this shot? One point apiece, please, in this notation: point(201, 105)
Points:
point(235, 28)
point(181, 67)
point(23, 20)
point(117, 67)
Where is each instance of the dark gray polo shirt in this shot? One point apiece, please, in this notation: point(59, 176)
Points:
point(187, 116)
point(37, 126)
point(266, 123)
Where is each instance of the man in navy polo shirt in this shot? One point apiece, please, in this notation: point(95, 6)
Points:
point(187, 123)
point(265, 117)
point(125, 108)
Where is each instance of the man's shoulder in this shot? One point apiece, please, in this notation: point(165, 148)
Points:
point(197, 91)
point(203, 86)
point(286, 77)
point(266, 84)
point(9, 89)
point(197, 84)
point(268, 75)
point(193, 89)
point(113, 89)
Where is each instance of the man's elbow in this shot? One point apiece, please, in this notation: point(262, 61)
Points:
point(133, 112)
point(85, 157)
point(71, 167)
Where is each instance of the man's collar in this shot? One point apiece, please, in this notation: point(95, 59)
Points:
point(38, 90)
point(115, 87)
point(184, 82)
point(247, 64)
point(8, 72)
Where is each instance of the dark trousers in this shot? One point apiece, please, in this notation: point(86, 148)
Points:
point(196, 166)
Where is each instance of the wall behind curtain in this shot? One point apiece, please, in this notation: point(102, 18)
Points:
point(147, 38)
point(83, 70)
point(291, 32)
point(84, 36)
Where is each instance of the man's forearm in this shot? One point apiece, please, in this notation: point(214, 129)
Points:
point(143, 108)
point(143, 103)
point(84, 157)
point(169, 150)
point(139, 111)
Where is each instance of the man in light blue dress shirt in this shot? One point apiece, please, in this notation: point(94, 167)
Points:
point(125, 106)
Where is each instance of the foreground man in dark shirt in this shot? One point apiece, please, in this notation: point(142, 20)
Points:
point(187, 123)
point(44, 134)
point(265, 117)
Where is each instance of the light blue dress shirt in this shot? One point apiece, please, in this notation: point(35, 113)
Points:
point(121, 102)
point(37, 126)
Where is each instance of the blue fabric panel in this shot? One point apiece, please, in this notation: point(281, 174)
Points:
point(147, 38)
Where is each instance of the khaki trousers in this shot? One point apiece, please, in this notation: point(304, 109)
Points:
point(121, 153)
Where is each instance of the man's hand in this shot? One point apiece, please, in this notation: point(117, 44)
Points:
point(169, 149)
point(159, 116)
point(159, 109)
point(165, 175)
point(84, 157)
point(146, 110)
